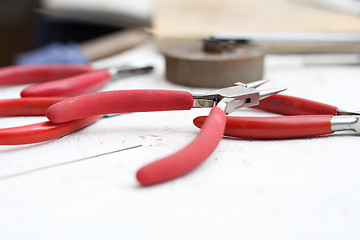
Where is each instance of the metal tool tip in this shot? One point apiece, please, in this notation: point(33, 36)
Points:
point(270, 92)
point(254, 84)
point(145, 69)
point(149, 68)
point(257, 83)
point(344, 112)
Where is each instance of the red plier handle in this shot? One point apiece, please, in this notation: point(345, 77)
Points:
point(290, 105)
point(188, 158)
point(313, 118)
point(14, 75)
point(82, 83)
point(37, 132)
point(71, 86)
point(121, 101)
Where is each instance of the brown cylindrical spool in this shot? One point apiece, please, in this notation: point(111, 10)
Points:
point(188, 64)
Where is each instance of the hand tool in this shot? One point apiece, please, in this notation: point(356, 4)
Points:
point(313, 119)
point(223, 101)
point(83, 83)
point(195, 64)
point(63, 80)
point(38, 132)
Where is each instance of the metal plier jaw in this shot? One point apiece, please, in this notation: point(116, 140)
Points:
point(228, 99)
point(231, 98)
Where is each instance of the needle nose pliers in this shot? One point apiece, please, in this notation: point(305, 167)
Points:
point(308, 118)
point(222, 101)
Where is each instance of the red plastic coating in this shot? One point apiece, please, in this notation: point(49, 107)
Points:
point(14, 75)
point(119, 102)
point(40, 132)
point(288, 105)
point(26, 106)
point(274, 127)
point(69, 87)
point(188, 158)
point(37, 132)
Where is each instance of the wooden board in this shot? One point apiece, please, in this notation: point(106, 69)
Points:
point(176, 20)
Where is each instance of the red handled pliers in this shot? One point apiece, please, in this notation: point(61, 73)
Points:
point(309, 118)
point(63, 80)
point(38, 132)
point(222, 101)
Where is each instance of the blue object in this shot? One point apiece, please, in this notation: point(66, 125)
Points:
point(55, 53)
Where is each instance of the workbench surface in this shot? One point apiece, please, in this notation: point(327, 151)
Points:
point(248, 189)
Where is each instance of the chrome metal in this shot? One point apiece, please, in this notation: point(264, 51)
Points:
point(203, 103)
point(237, 92)
point(252, 84)
point(229, 105)
point(231, 98)
point(126, 70)
point(235, 97)
point(345, 123)
point(270, 92)
point(343, 112)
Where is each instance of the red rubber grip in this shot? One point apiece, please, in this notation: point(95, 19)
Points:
point(188, 158)
point(39, 73)
point(274, 127)
point(69, 87)
point(26, 106)
point(119, 102)
point(288, 105)
point(40, 132)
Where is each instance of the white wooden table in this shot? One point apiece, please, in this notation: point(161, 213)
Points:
point(248, 189)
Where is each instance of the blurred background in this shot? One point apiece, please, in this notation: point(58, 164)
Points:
point(27, 25)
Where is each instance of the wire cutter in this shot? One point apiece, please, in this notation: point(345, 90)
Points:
point(222, 102)
point(38, 132)
point(63, 80)
point(310, 118)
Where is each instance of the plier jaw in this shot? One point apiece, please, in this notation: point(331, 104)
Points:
point(228, 99)
point(231, 98)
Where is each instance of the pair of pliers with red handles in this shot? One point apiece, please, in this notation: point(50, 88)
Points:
point(222, 101)
point(305, 118)
point(63, 80)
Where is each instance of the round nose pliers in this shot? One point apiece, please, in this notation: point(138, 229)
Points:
point(222, 101)
point(307, 118)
